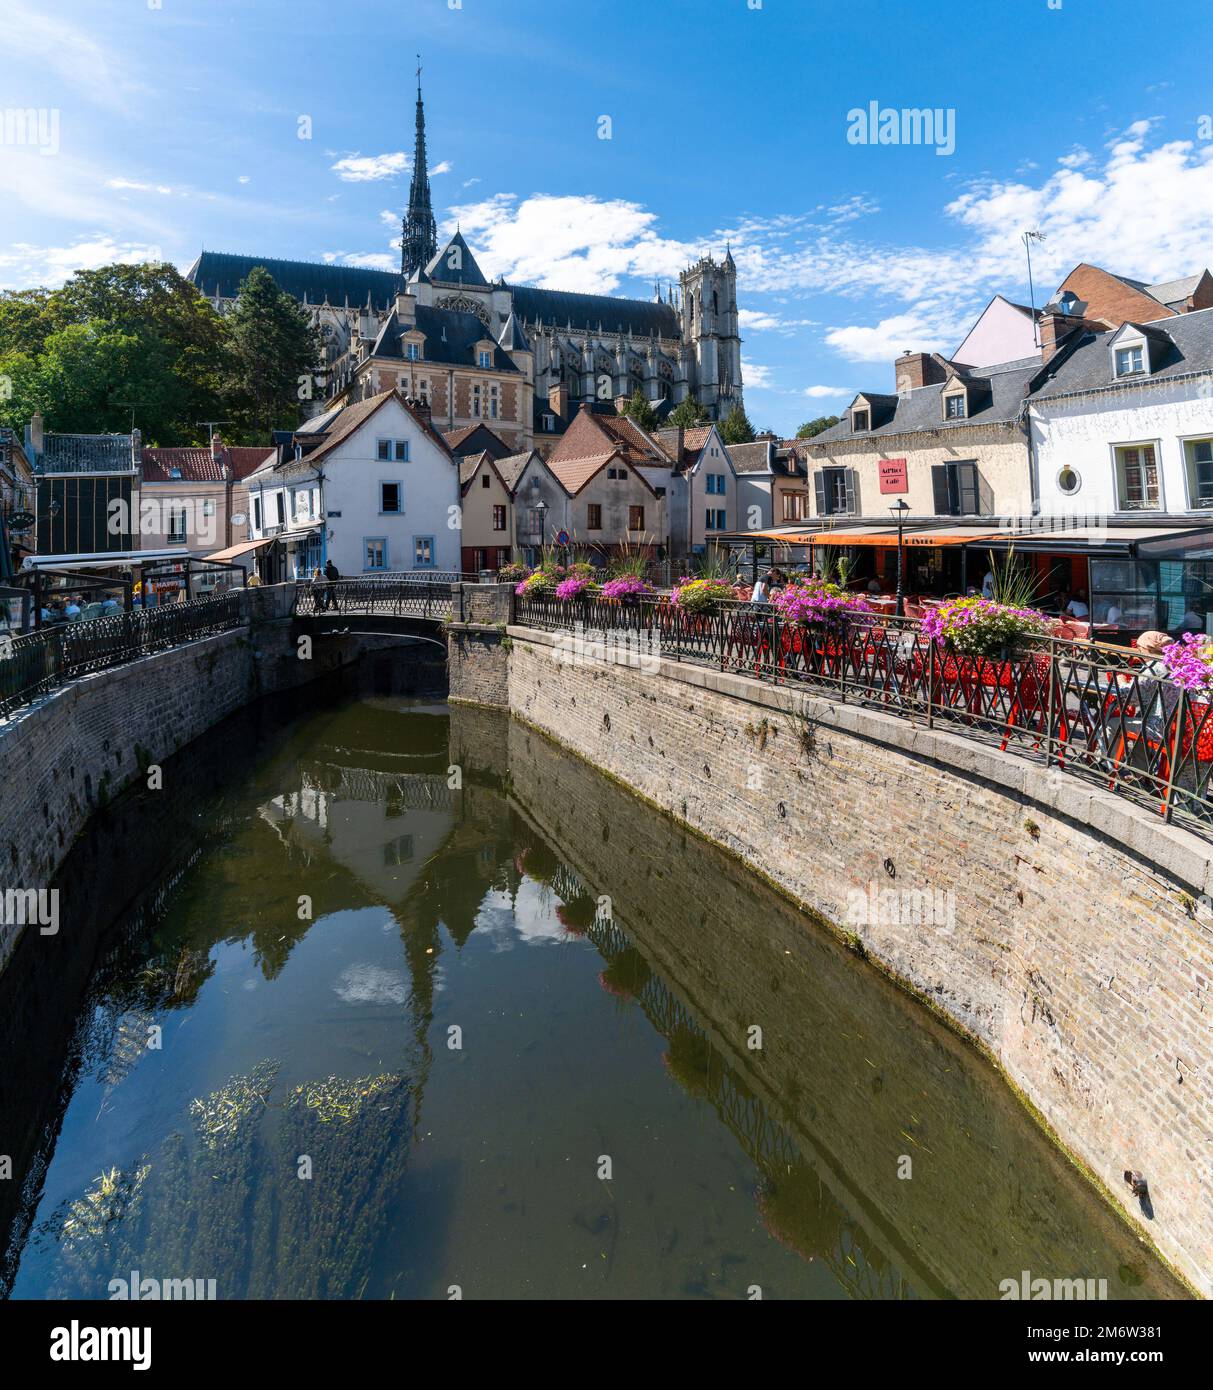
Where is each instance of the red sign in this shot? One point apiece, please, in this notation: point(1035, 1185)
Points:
point(893, 475)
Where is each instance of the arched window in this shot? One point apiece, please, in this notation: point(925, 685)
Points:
point(715, 303)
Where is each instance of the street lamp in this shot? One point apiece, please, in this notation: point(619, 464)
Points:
point(899, 510)
point(542, 508)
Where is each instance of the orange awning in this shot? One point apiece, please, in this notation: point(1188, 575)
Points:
point(910, 539)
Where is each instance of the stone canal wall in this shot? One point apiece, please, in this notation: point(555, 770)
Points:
point(74, 751)
point(1064, 933)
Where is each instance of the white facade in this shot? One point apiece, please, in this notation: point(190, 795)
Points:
point(1129, 452)
point(384, 499)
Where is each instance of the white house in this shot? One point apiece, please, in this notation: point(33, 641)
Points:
point(370, 486)
point(1123, 427)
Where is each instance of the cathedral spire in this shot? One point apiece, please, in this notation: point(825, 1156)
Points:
point(419, 235)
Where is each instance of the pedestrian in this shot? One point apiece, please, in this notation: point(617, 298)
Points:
point(760, 590)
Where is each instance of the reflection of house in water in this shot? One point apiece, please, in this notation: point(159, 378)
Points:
point(381, 826)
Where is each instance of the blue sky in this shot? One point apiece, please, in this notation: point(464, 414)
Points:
point(173, 124)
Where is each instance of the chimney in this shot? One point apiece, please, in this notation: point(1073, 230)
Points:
point(406, 308)
point(137, 450)
point(422, 410)
point(558, 399)
point(914, 369)
point(36, 436)
point(1054, 327)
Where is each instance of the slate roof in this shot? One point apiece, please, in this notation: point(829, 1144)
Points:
point(450, 337)
point(351, 417)
point(751, 458)
point(464, 272)
point(921, 409)
point(1175, 291)
point(511, 467)
point(511, 337)
point(199, 465)
point(85, 453)
point(488, 443)
point(595, 312)
point(469, 466)
point(1187, 346)
point(220, 273)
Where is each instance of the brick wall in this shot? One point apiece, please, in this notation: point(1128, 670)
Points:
point(850, 1067)
point(1074, 957)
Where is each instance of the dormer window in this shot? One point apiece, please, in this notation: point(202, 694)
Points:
point(861, 421)
point(484, 359)
point(1131, 361)
point(955, 407)
point(413, 352)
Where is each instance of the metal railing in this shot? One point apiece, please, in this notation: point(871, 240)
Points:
point(397, 596)
point(1107, 714)
point(35, 663)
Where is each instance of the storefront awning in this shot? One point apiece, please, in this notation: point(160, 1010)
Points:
point(233, 552)
point(105, 559)
point(1043, 538)
point(911, 539)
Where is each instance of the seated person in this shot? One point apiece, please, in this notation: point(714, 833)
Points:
point(1077, 606)
point(873, 585)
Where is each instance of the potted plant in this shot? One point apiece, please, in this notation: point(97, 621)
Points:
point(700, 597)
point(537, 584)
point(627, 589)
point(576, 587)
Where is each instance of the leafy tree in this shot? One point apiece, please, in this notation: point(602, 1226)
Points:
point(272, 345)
point(736, 428)
point(638, 409)
point(92, 377)
point(688, 413)
point(812, 427)
point(25, 320)
point(19, 388)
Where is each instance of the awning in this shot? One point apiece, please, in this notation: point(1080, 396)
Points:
point(910, 539)
point(99, 559)
point(244, 548)
point(1042, 538)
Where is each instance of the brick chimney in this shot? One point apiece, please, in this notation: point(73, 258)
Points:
point(914, 369)
point(1053, 328)
point(422, 410)
point(558, 399)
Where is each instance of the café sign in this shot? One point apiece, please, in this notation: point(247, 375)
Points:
point(893, 476)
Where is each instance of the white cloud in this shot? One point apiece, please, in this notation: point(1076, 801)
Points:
point(756, 377)
point(22, 264)
point(360, 168)
point(822, 393)
point(365, 260)
point(761, 320)
point(576, 243)
point(891, 336)
point(467, 183)
point(442, 167)
point(242, 178)
point(138, 187)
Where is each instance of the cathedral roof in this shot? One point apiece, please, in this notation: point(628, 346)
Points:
point(512, 338)
point(450, 337)
point(459, 269)
point(592, 312)
point(220, 273)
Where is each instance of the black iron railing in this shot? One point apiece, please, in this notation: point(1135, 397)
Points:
point(35, 663)
point(397, 596)
point(1104, 713)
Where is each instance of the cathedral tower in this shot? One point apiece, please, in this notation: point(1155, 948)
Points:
point(419, 235)
point(709, 329)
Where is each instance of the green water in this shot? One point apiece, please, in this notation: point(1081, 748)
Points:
point(377, 1035)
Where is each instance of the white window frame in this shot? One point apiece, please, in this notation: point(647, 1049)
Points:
point(1137, 347)
point(1186, 442)
point(1121, 498)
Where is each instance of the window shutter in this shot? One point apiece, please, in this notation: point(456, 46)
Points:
point(819, 484)
point(852, 485)
point(939, 486)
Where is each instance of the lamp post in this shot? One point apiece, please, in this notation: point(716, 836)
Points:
point(542, 508)
point(899, 510)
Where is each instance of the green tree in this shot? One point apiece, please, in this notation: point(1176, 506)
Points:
point(20, 393)
point(25, 320)
point(688, 413)
point(812, 427)
point(271, 348)
point(736, 428)
point(638, 409)
point(92, 378)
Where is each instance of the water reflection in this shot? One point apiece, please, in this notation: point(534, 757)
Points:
point(379, 1026)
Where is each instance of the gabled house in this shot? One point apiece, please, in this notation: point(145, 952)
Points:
point(374, 488)
point(475, 439)
point(487, 513)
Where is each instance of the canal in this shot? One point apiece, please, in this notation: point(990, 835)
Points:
point(382, 998)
